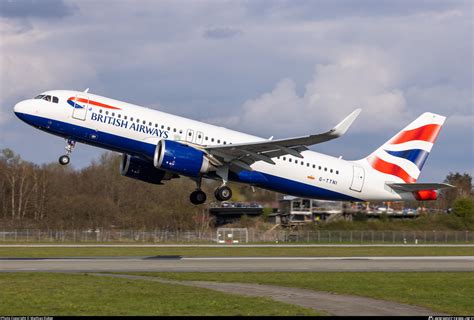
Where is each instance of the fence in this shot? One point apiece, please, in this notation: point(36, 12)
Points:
point(255, 236)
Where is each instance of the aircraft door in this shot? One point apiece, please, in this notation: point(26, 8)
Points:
point(357, 179)
point(190, 135)
point(81, 104)
point(199, 137)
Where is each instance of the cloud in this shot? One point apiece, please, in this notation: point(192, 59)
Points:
point(364, 78)
point(278, 68)
point(221, 32)
point(35, 9)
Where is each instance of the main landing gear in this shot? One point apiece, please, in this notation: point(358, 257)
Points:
point(223, 193)
point(197, 197)
point(65, 159)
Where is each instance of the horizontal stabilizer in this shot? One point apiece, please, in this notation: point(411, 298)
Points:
point(412, 187)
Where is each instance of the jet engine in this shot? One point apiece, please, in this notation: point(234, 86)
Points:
point(137, 168)
point(180, 158)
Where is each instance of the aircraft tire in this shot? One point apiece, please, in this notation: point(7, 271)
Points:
point(197, 197)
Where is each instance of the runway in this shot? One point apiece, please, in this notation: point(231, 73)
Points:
point(239, 264)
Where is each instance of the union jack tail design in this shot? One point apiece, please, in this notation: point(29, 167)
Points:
point(404, 155)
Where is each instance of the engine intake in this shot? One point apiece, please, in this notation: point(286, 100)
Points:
point(137, 168)
point(180, 158)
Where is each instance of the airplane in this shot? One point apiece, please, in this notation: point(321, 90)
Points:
point(158, 146)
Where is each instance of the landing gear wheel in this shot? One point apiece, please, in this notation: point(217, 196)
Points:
point(197, 197)
point(64, 160)
point(223, 193)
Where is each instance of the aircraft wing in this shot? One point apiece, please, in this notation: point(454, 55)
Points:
point(411, 187)
point(244, 154)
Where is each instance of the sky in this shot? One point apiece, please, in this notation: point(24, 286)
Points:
point(268, 68)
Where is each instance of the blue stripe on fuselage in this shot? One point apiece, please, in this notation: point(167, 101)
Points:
point(146, 150)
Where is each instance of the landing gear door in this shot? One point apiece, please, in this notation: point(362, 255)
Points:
point(81, 104)
point(358, 177)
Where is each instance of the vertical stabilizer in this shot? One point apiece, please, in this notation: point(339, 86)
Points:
point(404, 155)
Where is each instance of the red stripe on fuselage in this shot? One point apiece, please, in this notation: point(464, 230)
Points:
point(426, 133)
point(390, 168)
point(95, 103)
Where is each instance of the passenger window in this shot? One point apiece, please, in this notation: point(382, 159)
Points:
point(100, 110)
point(156, 125)
point(337, 172)
point(113, 114)
point(168, 128)
point(289, 159)
point(125, 117)
point(174, 129)
point(119, 116)
point(150, 124)
point(180, 131)
point(307, 164)
point(162, 126)
point(138, 120)
point(212, 139)
point(314, 166)
point(55, 99)
point(144, 122)
point(106, 112)
point(284, 158)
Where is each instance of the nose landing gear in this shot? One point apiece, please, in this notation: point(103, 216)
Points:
point(65, 159)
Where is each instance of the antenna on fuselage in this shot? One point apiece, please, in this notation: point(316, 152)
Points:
point(86, 91)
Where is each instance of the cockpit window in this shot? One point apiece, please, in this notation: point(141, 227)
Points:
point(47, 98)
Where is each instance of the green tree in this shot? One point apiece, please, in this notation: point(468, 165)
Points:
point(464, 209)
point(463, 184)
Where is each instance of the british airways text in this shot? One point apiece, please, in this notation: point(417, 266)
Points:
point(129, 125)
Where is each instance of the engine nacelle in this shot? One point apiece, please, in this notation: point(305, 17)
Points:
point(425, 195)
point(137, 168)
point(180, 158)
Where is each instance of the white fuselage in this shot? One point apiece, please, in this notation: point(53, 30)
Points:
point(134, 130)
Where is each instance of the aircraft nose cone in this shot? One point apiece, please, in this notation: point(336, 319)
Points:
point(22, 111)
point(19, 107)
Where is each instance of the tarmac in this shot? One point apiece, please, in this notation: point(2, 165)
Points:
point(239, 264)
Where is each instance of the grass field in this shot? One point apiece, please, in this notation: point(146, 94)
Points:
point(448, 292)
point(77, 294)
point(235, 251)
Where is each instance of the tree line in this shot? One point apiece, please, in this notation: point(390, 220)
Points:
point(51, 196)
